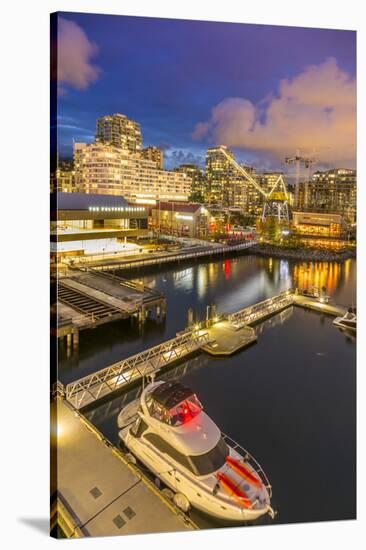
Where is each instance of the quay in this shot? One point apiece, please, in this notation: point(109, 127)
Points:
point(89, 299)
point(222, 335)
point(149, 260)
point(95, 491)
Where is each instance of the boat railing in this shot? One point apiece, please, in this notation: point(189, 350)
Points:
point(250, 460)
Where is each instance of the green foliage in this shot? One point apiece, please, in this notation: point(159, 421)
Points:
point(196, 196)
point(271, 229)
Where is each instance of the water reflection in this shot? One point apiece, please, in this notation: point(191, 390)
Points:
point(321, 274)
point(275, 321)
point(230, 284)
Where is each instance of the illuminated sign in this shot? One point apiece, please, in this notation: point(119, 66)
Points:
point(115, 209)
point(183, 217)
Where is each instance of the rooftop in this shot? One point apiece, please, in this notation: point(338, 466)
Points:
point(83, 201)
point(191, 207)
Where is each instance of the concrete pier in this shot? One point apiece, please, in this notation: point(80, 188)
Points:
point(88, 299)
point(98, 492)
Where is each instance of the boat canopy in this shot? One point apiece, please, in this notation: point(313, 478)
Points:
point(173, 403)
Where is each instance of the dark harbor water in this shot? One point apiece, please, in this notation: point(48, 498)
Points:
point(231, 284)
point(290, 399)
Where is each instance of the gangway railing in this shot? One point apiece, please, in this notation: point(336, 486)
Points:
point(95, 386)
point(254, 313)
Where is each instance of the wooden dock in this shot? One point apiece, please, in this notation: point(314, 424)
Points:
point(96, 492)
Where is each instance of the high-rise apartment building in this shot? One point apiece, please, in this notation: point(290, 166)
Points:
point(199, 182)
point(155, 154)
point(226, 187)
point(332, 191)
point(220, 175)
point(120, 131)
point(106, 169)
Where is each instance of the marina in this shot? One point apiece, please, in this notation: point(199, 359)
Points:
point(102, 412)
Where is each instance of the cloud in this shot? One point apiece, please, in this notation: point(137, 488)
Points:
point(314, 112)
point(175, 157)
point(75, 54)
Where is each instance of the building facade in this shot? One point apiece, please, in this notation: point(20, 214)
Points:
point(199, 182)
point(63, 181)
point(120, 131)
point(154, 154)
point(180, 219)
point(226, 187)
point(318, 224)
point(220, 176)
point(105, 169)
point(332, 191)
point(83, 224)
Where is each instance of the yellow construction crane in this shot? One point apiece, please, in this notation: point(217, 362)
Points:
point(275, 200)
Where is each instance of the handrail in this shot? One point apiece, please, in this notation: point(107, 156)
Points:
point(269, 303)
point(137, 366)
point(175, 257)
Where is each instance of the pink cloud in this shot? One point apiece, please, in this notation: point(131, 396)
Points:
point(314, 112)
point(75, 52)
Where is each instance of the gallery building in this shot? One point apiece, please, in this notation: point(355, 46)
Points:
point(88, 224)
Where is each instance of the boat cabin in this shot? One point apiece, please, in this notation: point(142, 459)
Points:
point(173, 404)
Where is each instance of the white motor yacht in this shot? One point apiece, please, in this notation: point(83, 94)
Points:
point(348, 321)
point(168, 431)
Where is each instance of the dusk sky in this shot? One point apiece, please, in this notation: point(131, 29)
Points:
point(264, 91)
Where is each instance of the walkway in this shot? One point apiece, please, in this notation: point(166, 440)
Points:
point(99, 494)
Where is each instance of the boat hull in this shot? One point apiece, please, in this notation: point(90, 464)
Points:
point(199, 495)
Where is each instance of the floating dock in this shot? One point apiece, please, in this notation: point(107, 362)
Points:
point(224, 335)
point(226, 339)
point(97, 492)
point(318, 305)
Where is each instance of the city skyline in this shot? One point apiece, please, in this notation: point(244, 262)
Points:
point(188, 90)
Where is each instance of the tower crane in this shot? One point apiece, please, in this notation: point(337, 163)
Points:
point(275, 199)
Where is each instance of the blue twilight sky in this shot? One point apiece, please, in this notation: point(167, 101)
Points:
point(178, 78)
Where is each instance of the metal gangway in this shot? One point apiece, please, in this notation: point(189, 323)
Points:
point(88, 389)
point(252, 314)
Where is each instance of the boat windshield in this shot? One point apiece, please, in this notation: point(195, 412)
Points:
point(212, 461)
point(177, 415)
point(185, 411)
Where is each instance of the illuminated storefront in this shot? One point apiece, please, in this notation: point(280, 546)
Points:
point(318, 224)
